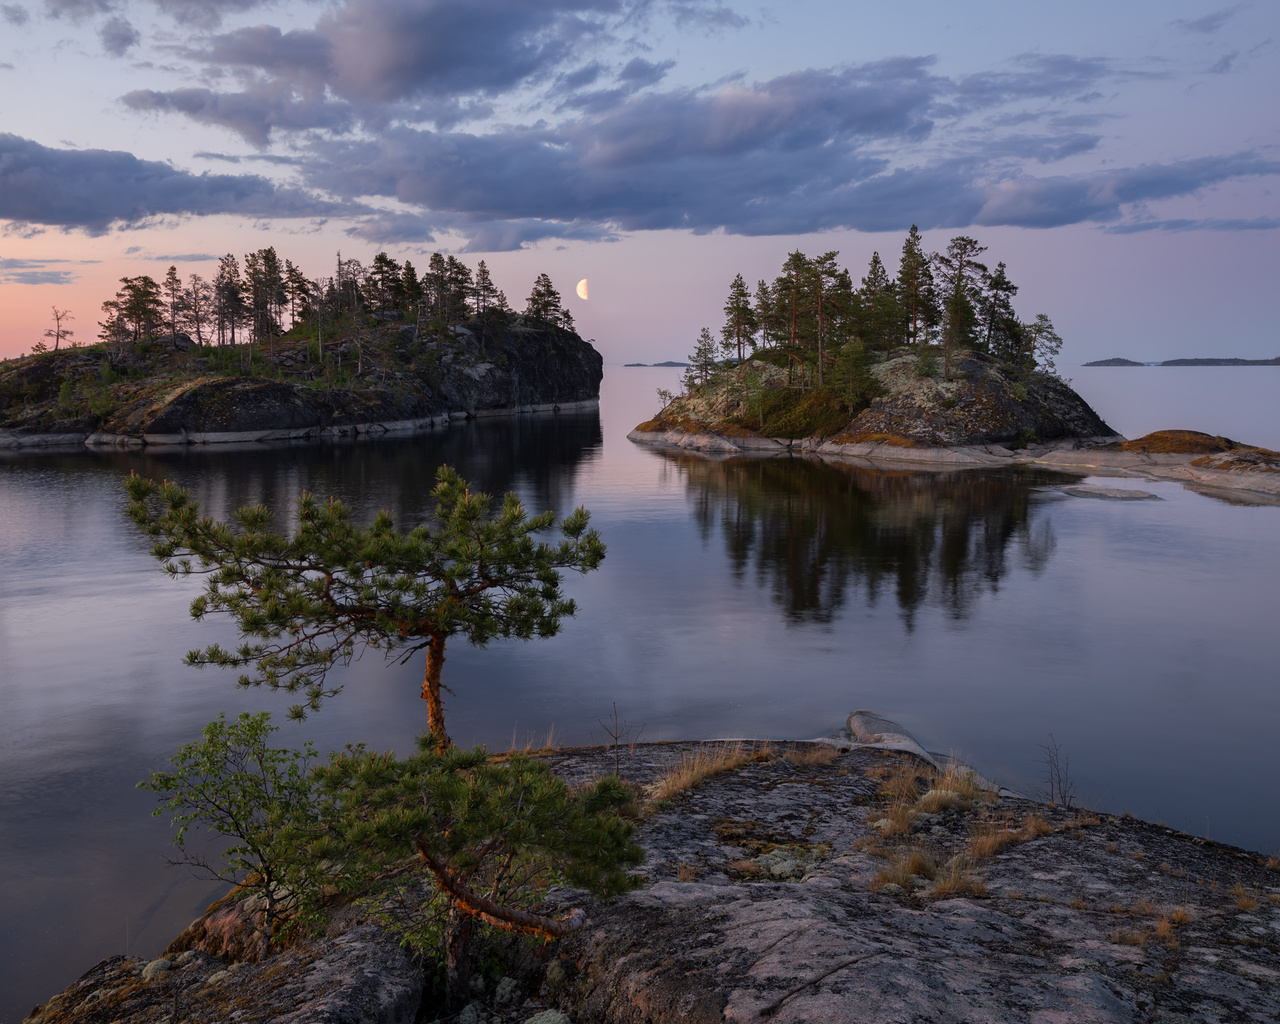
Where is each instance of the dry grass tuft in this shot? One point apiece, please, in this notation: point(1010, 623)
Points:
point(1121, 937)
point(686, 872)
point(1078, 904)
point(1273, 863)
point(903, 865)
point(811, 754)
point(1137, 855)
point(1274, 897)
point(1034, 825)
point(745, 867)
point(1245, 900)
point(695, 768)
point(986, 840)
point(957, 880)
point(1180, 915)
point(1144, 907)
point(902, 784)
point(942, 799)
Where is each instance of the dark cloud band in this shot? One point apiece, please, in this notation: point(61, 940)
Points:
point(94, 189)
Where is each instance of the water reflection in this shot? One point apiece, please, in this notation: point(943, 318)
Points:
point(537, 455)
point(813, 532)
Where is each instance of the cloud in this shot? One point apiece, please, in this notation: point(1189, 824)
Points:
point(253, 114)
point(640, 72)
point(705, 15)
point(118, 36)
point(14, 14)
point(1210, 23)
point(805, 152)
point(36, 272)
point(77, 10)
point(1206, 224)
point(438, 59)
point(204, 13)
point(41, 277)
point(187, 257)
point(1225, 63)
point(94, 189)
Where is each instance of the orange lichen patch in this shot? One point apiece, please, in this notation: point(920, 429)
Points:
point(1258, 460)
point(661, 424)
point(1179, 442)
point(872, 437)
point(730, 429)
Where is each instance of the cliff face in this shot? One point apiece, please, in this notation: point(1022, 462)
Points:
point(392, 381)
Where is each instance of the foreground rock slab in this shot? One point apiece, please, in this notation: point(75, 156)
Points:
point(795, 886)
point(358, 977)
point(762, 902)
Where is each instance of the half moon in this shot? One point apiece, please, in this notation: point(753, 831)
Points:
point(582, 289)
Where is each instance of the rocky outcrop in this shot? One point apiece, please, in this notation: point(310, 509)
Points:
point(357, 977)
point(403, 385)
point(858, 879)
point(987, 417)
point(984, 404)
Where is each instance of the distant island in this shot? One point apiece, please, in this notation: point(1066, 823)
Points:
point(669, 362)
point(1117, 361)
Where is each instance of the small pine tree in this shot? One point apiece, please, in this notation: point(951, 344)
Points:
point(307, 601)
point(703, 367)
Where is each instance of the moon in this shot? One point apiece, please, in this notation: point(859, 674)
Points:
point(582, 289)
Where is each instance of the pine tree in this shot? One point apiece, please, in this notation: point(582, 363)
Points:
point(198, 304)
point(703, 366)
point(881, 317)
point(483, 292)
point(229, 304)
point(173, 301)
point(410, 289)
point(1042, 343)
point(790, 291)
point(962, 277)
point(765, 306)
point(306, 601)
point(543, 305)
point(385, 283)
point(740, 321)
point(826, 292)
point(915, 288)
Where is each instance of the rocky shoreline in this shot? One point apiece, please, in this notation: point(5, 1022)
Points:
point(855, 879)
point(1251, 472)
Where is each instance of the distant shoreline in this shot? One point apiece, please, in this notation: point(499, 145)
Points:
point(1117, 361)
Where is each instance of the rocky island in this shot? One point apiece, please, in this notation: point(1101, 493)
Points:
point(367, 352)
point(932, 368)
point(988, 414)
point(853, 879)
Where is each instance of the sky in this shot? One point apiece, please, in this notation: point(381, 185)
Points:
point(1120, 158)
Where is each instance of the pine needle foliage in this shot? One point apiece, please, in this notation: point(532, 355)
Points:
point(491, 835)
point(307, 600)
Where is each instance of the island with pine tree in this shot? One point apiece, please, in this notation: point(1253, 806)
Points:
point(262, 353)
point(933, 366)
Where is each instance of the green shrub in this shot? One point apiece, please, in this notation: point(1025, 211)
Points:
point(790, 414)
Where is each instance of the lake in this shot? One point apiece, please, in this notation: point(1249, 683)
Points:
point(762, 598)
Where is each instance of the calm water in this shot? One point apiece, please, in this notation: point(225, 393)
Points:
point(739, 597)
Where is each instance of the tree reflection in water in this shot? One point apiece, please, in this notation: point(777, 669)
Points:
point(812, 531)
